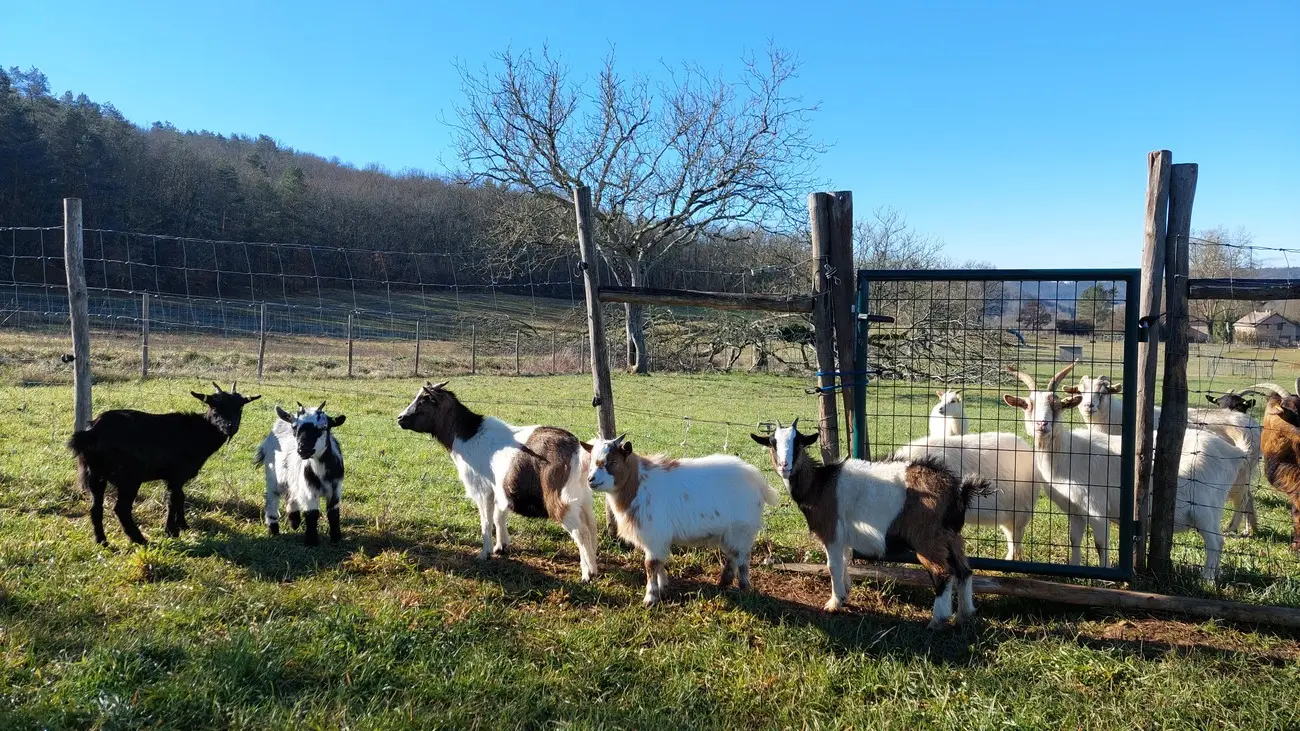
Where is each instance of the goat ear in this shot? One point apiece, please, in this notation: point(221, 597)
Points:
point(1015, 401)
point(762, 439)
point(284, 415)
point(337, 421)
point(250, 399)
point(586, 447)
point(200, 396)
point(626, 447)
point(1071, 402)
point(806, 440)
point(939, 394)
point(1211, 399)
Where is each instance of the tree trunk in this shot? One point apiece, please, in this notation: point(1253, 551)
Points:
point(637, 362)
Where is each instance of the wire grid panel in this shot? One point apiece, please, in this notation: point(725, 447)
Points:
point(926, 333)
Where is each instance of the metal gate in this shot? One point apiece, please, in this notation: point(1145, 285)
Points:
point(921, 333)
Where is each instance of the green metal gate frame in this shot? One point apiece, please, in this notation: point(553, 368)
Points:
point(1123, 569)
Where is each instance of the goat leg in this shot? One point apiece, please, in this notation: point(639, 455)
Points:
point(312, 537)
point(123, 508)
point(96, 487)
point(336, 533)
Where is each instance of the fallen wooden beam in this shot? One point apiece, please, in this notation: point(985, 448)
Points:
point(1243, 289)
point(695, 298)
point(1089, 596)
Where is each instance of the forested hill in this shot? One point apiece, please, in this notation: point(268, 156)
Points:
point(202, 184)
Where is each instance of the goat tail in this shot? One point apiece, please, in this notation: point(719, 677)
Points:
point(973, 486)
point(260, 457)
point(81, 441)
point(770, 495)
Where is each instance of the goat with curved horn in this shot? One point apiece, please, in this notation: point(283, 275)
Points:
point(1269, 387)
point(1060, 376)
point(1025, 378)
point(217, 386)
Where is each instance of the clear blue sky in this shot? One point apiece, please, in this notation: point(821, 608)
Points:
point(1015, 131)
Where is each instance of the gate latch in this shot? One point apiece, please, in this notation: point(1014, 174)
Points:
point(876, 318)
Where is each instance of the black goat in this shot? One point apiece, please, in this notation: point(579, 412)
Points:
point(128, 447)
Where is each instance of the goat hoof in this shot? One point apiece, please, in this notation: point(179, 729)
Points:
point(273, 528)
point(483, 556)
point(833, 605)
point(172, 532)
point(650, 601)
point(311, 540)
point(937, 623)
point(336, 537)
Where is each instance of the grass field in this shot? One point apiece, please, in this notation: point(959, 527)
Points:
point(399, 627)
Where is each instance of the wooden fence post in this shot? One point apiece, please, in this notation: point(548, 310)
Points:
point(553, 361)
point(1153, 272)
point(349, 345)
point(841, 287)
point(261, 340)
point(417, 348)
point(604, 396)
point(144, 335)
point(516, 352)
point(819, 205)
point(1173, 407)
point(74, 265)
point(473, 349)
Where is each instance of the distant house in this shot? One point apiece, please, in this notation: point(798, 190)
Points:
point(1075, 327)
point(1199, 332)
point(1266, 327)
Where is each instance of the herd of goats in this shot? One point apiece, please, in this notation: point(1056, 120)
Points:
point(918, 499)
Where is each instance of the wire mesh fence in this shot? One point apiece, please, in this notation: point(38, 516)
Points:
point(291, 308)
point(975, 367)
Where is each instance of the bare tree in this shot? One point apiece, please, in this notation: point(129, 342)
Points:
point(885, 241)
point(1221, 253)
point(665, 161)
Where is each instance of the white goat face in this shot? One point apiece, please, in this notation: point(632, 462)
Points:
point(605, 456)
point(786, 446)
point(946, 406)
point(1042, 411)
point(1095, 394)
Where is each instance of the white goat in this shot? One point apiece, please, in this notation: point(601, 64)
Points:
point(948, 417)
point(303, 463)
point(1082, 469)
point(877, 508)
point(660, 502)
point(1102, 410)
point(535, 471)
point(1006, 461)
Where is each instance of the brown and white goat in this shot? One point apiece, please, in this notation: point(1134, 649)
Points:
point(878, 508)
point(536, 471)
point(660, 502)
point(1280, 444)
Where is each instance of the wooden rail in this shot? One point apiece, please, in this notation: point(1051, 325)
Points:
point(696, 298)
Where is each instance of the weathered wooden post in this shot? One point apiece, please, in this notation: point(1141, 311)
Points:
point(819, 205)
point(553, 361)
point(1173, 406)
point(416, 370)
point(841, 287)
point(473, 349)
point(74, 265)
point(516, 352)
point(603, 399)
point(349, 345)
point(144, 335)
point(1153, 272)
point(261, 340)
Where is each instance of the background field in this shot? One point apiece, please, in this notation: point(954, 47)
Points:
point(399, 627)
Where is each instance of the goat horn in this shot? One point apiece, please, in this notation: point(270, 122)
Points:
point(1025, 378)
point(321, 407)
point(1297, 384)
point(232, 386)
point(1060, 376)
point(795, 424)
point(216, 386)
point(1270, 387)
point(619, 439)
point(778, 424)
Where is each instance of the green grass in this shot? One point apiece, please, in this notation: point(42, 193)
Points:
point(399, 627)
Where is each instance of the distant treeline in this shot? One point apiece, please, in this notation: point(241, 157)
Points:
point(205, 185)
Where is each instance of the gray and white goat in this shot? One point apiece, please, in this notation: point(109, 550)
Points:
point(303, 463)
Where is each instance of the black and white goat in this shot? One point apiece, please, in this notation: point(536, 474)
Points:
point(128, 448)
point(535, 471)
point(303, 464)
point(876, 508)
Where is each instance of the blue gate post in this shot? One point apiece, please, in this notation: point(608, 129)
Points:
point(861, 443)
